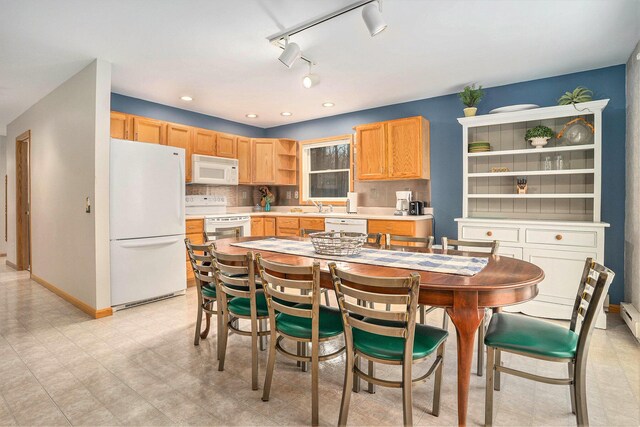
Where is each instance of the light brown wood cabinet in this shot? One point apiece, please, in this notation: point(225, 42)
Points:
point(226, 145)
point(257, 226)
point(269, 226)
point(149, 130)
point(244, 160)
point(194, 229)
point(204, 142)
point(120, 125)
point(182, 137)
point(401, 228)
point(287, 226)
point(263, 158)
point(316, 224)
point(396, 149)
point(273, 161)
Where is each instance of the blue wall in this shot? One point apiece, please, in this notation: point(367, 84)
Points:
point(126, 104)
point(446, 147)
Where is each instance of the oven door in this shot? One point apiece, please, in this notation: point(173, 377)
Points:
point(221, 224)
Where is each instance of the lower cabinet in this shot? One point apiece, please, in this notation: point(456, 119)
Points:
point(195, 233)
point(287, 226)
point(312, 224)
point(559, 248)
point(269, 226)
point(257, 226)
point(422, 228)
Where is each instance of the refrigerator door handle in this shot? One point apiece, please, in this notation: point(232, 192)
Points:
point(181, 184)
point(166, 241)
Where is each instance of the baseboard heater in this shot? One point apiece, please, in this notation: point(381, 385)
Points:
point(146, 301)
point(631, 316)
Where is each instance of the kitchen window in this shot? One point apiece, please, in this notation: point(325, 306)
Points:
point(326, 169)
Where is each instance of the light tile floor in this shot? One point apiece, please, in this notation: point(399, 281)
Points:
point(139, 367)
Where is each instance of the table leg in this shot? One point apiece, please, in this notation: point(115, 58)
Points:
point(466, 317)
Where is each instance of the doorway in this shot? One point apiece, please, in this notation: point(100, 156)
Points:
point(23, 202)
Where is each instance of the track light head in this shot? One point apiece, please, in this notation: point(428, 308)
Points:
point(290, 53)
point(373, 18)
point(310, 80)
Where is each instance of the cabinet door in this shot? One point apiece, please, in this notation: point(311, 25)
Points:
point(148, 130)
point(226, 146)
point(562, 272)
point(404, 148)
point(263, 161)
point(180, 136)
point(257, 226)
point(119, 125)
point(204, 142)
point(371, 151)
point(269, 226)
point(397, 227)
point(244, 160)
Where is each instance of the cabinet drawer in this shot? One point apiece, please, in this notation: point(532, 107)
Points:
point(194, 226)
point(402, 228)
point(291, 232)
point(287, 222)
point(312, 223)
point(586, 239)
point(510, 252)
point(482, 232)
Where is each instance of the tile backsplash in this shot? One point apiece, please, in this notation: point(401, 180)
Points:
point(372, 193)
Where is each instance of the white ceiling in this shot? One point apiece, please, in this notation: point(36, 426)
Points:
point(216, 50)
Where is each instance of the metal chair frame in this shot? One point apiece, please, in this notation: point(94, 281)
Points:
point(276, 278)
point(406, 292)
point(210, 236)
point(202, 265)
point(594, 285)
point(426, 241)
point(493, 246)
point(226, 266)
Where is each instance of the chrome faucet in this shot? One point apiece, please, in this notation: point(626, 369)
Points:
point(317, 205)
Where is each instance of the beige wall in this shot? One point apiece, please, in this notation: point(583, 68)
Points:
point(632, 202)
point(69, 162)
point(3, 171)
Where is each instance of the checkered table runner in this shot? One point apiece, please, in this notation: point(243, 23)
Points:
point(452, 264)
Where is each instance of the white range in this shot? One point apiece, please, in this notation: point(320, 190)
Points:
point(216, 218)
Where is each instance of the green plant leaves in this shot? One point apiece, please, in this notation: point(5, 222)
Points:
point(579, 94)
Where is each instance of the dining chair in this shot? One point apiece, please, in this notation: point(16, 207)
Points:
point(226, 233)
point(538, 339)
point(492, 247)
point(303, 320)
point(387, 337)
point(239, 298)
point(374, 240)
point(202, 265)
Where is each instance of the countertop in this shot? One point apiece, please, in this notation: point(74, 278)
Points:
point(310, 214)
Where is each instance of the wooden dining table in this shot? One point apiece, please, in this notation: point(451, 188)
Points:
point(504, 281)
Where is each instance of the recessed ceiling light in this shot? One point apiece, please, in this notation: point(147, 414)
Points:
point(328, 104)
point(285, 113)
point(186, 98)
point(251, 115)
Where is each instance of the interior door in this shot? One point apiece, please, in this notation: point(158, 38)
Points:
point(23, 202)
point(371, 152)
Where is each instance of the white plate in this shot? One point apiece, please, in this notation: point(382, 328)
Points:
point(511, 108)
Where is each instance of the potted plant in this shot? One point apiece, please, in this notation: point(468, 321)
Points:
point(579, 94)
point(539, 136)
point(470, 97)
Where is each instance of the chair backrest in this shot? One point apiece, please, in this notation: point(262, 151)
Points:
point(226, 233)
point(423, 242)
point(374, 238)
point(402, 290)
point(304, 232)
point(201, 262)
point(594, 285)
point(235, 273)
point(276, 280)
point(454, 244)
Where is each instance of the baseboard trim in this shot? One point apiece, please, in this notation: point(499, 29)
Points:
point(614, 308)
point(11, 265)
point(96, 314)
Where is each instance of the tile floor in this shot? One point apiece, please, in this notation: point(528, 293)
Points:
point(139, 367)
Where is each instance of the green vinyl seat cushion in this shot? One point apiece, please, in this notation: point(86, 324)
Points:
point(242, 306)
point(209, 291)
point(330, 323)
point(532, 336)
point(426, 341)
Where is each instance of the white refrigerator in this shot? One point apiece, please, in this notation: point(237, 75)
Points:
point(147, 223)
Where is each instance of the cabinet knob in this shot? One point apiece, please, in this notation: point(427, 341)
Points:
point(489, 233)
point(558, 236)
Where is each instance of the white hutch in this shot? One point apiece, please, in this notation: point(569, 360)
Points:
point(556, 224)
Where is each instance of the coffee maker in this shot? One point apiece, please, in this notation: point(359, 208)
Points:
point(403, 198)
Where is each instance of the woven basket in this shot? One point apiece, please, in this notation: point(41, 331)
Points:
point(337, 242)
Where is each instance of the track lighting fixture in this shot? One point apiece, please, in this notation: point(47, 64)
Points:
point(290, 53)
point(310, 79)
point(372, 16)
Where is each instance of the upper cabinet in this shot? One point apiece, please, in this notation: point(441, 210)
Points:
point(263, 161)
point(181, 136)
point(120, 125)
point(243, 148)
point(396, 149)
point(226, 146)
point(204, 142)
point(149, 130)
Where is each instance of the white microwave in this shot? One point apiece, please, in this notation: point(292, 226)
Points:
point(214, 170)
